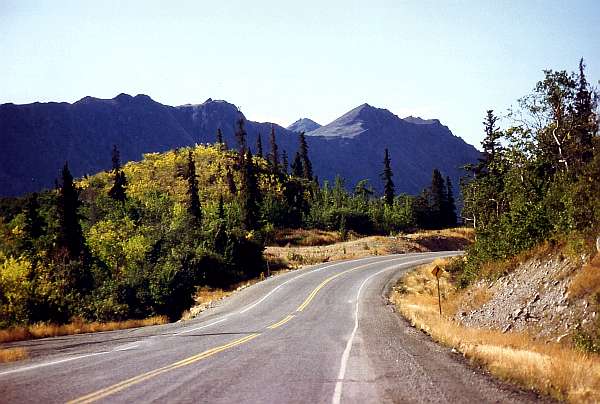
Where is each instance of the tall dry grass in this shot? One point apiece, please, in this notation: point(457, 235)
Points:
point(12, 354)
point(78, 326)
point(548, 368)
point(587, 281)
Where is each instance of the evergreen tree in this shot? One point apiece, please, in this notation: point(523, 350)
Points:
point(284, 162)
point(297, 167)
point(240, 135)
point(437, 199)
point(194, 207)
point(231, 182)
point(388, 184)
point(491, 146)
point(450, 205)
point(33, 227)
point(117, 192)
point(220, 240)
point(219, 136)
point(249, 193)
point(586, 124)
point(116, 159)
point(306, 164)
point(70, 233)
point(274, 155)
point(259, 148)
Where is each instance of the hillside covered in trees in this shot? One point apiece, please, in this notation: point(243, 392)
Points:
point(538, 179)
point(137, 240)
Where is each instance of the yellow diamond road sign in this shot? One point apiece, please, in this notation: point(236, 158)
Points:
point(436, 271)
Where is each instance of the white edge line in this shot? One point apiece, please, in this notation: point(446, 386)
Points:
point(337, 394)
point(41, 365)
point(293, 279)
point(201, 327)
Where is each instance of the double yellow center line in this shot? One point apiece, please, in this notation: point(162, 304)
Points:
point(97, 395)
point(105, 392)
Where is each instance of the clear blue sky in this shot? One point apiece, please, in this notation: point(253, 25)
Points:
point(282, 60)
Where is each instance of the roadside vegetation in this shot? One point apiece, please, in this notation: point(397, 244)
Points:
point(533, 202)
point(550, 368)
point(538, 182)
point(145, 239)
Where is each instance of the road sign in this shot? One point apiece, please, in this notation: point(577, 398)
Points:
point(437, 271)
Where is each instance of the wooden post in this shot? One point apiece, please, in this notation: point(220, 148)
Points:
point(436, 272)
point(439, 296)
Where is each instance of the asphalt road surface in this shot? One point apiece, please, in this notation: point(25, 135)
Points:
point(323, 334)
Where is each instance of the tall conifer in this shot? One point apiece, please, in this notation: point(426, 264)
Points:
point(388, 184)
point(194, 207)
point(306, 164)
point(249, 193)
point(70, 233)
point(259, 148)
point(274, 154)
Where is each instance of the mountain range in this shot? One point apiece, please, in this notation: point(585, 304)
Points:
point(38, 138)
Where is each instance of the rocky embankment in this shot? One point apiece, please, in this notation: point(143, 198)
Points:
point(535, 298)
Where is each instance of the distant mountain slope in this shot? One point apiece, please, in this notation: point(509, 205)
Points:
point(303, 125)
point(354, 145)
point(38, 138)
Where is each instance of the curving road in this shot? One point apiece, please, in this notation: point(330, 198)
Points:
point(321, 334)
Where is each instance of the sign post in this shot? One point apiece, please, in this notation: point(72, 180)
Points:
point(436, 272)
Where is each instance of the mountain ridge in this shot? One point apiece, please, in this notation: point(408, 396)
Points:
point(39, 137)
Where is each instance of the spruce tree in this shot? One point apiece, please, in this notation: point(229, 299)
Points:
point(249, 193)
point(284, 162)
point(240, 135)
point(450, 205)
point(259, 148)
point(586, 124)
point(219, 136)
point(70, 233)
point(274, 154)
point(297, 167)
point(194, 207)
point(116, 159)
point(220, 240)
point(33, 227)
point(231, 182)
point(117, 192)
point(438, 199)
point(388, 184)
point(306, 164)
point(491, 146)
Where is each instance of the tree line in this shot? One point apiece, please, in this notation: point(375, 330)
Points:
point(137, 240)
point(538, 179)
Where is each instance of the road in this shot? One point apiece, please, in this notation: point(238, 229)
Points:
point(323, 334)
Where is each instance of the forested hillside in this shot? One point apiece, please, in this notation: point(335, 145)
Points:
point(137, 240)
point(37, 139)
point(539, 179)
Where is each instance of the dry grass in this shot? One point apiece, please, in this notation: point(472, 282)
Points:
point(12, 354)
point(78, 326)
point(548, 368)
point(303, 237)
point(203, 299)
point(434, 240)
point(587, 281)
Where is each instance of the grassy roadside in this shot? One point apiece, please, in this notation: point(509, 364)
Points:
point(301, 253)
point(310, 247)
point(37, 331)
point(13, 354)
point(548, 368)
